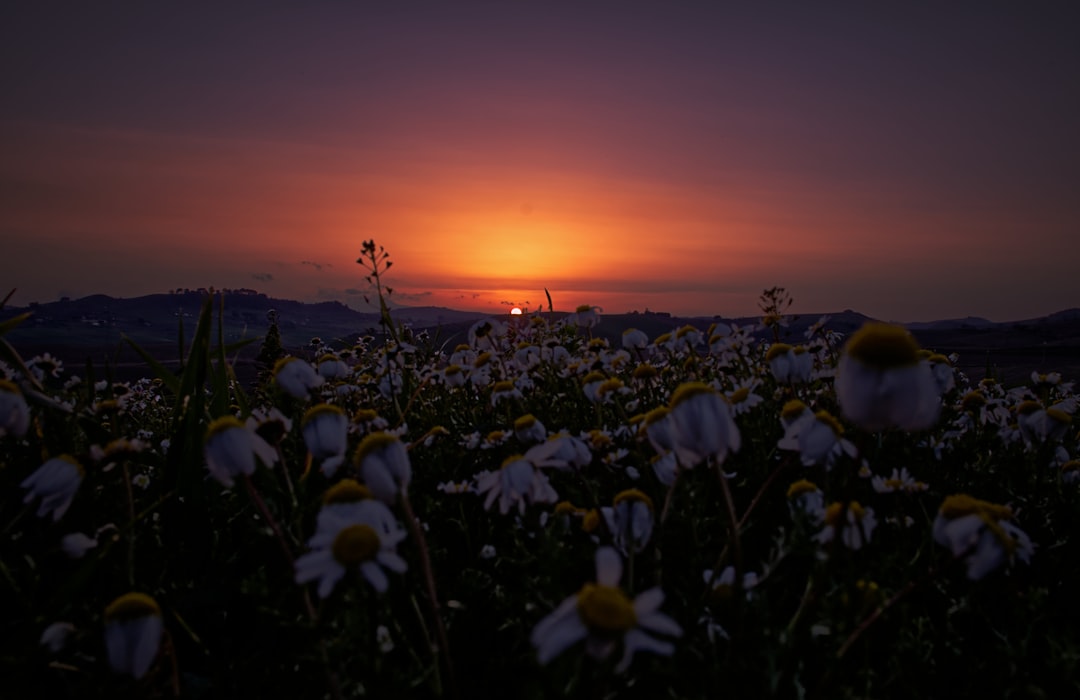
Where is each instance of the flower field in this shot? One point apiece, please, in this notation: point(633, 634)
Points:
point(538, 513)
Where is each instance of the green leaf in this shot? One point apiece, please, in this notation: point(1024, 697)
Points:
point(160, 371)
point(11, 323)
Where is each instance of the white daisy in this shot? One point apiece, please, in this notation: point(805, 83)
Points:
point(980, 532)
point(55, 483)
point(133, 629)
point(384, 465)
point(881, 381)
point(231, 448)
point(630, 520)
point(14, 412)
point(603, 615)
point(359, 535)
point(296, 377)
point(326, 429)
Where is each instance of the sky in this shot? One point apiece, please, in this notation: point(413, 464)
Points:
point(912, 161)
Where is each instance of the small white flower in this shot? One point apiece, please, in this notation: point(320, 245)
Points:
point(806, 498)
point(55, 482)
point(296, 377)
point(854, 523)
point(982, 533)
point(881, 381)
point(55, 637)
point(326, 432)
point(357, 536)
point(516, 483)
point(630, 520)
point(383, 639)
point(76, 544)
point(231, 449)
point(487, 552)
point(560, 451)
point(529, 430)
point(818, 440)
point(384, 465)
point(14, 412)
point(702, 424)
point(603, 615)
point(133, 629)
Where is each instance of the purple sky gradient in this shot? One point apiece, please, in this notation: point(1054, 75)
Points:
point(911, 161)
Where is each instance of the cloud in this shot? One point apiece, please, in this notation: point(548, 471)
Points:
point(263, 276)
point(317, 265)
point(353, 292)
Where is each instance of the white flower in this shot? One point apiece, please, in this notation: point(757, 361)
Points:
point(55, 636)
point(585, 317)
point(326, 429)
point(296, 377)
point(55, 482)
point(517, 482)
point(818, 441)
point(529, 430)
point(806, 498)
point(633, 339)
point(384, 465)
point(702, 424)
point(854, 523)
point(882, 383)
point(14, 412)
point(790, 365)
point(982, 533)
point(724, 584)
point(630, 520)
point(504, 391)
point(487, 552)
point(742, 398)
point(357, 535)
point(133, 629)
point(560, 451)
point(899, 480)
point(603, 615)
point(331, 367)
point(231, 449)
point(76, 544)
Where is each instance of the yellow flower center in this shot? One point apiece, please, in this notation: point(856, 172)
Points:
point(634, 495)
point(792, 409)
point(371, 444)
point(591, 520)
point(131, 606)
point(525, 422)
point(1059, 415)
point(355, 544)
point(566, 508)
point(346, 491)
point(320, 410)
point(776, 350)
point(503, 387)
point(800, 487)
point(592, 377)
point(644, 371)
point(222, 424)
point(452, 370)
point(605, 609)
point(973, 401)
point(482, 359)
point(1027, 407)
point(961, 504)
point(684, 331)
point(833, 513)
point(365, 415)
point(740, 395)
point(584, 308)
point(828, 419)
point(610, 385)
point(883, 346)
point(9, 387)
point(689, 390)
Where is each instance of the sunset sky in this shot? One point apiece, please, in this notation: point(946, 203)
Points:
point(902, 159)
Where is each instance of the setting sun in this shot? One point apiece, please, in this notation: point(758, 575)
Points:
point(515, 311)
